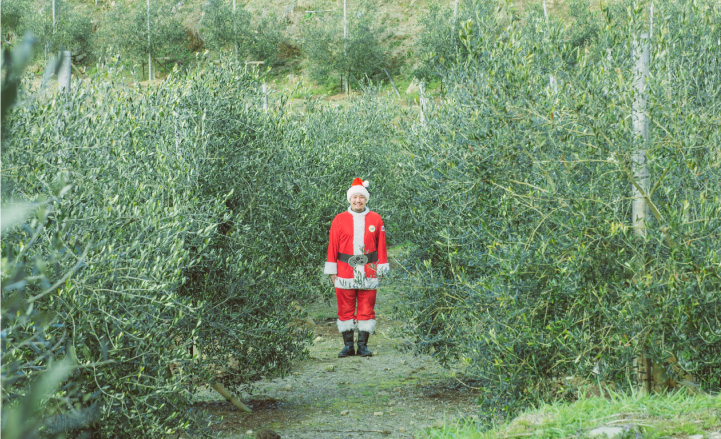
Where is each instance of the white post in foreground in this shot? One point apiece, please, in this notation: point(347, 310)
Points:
point(150, 57)
point(639, 208)
point(265, 97)
point(640, 121)
point(422, 101)
point(455, 10)
point(64, 72)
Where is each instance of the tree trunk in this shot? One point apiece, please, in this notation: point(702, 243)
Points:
point(231, 398)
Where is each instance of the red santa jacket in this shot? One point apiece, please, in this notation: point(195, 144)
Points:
point(354, 233)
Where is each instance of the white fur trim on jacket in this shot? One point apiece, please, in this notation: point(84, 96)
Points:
point(359, 230)
point(346, 325)
point(366, 283)
point(367, 325)
point(331, 268)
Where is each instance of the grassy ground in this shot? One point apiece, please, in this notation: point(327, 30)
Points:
point(674, 415)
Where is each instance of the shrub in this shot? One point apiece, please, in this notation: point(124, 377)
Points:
point(125, 31)
point(193, 218)
point(138, 229)
point(439, 45)
point(538, 276)
point(74, 33)
point(361, 55)
point(587, 24)
point(23, 418)
point(266, 41)
point(259, 40)
point(221, 27)
point(12, 15)
point(73, 29)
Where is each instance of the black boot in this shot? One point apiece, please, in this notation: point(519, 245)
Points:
point(348, 350)
point(363, 350)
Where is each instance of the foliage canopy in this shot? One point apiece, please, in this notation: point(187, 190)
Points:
point(183, 215)
point(527, 269)
point(357, 57)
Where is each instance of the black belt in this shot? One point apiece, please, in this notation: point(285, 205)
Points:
point(358, 260)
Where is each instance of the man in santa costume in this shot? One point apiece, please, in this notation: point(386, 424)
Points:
point(356, 255)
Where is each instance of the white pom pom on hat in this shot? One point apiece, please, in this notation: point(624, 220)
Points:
point(359, 187)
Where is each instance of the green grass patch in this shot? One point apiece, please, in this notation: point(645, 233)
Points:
point(677, 414)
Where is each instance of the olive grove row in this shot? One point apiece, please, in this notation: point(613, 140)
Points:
point(151, 220)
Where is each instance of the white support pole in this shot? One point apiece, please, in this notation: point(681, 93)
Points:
point(392, 83)
point(54, 23)
point(345, 25)
point(64, 72)
point(49, 71)
point(235, 31)
point(639, 207)
point(422, 101)
point(265, 97)
point(454, 27)
point(551, 79)
point(345, 45)
point(640, 121)
point(150, 57)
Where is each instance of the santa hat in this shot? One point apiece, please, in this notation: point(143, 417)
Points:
point(359, 187)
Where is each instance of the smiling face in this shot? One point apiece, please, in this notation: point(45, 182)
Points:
point(358, 202)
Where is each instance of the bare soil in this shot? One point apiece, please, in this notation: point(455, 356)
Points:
point(394, 393)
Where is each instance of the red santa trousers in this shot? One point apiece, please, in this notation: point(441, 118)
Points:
point(347, 300)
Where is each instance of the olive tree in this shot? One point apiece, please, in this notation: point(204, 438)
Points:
point(539, 275)
point(361, 54)
point(227, 26)
point(71, 30)
point(147, 30)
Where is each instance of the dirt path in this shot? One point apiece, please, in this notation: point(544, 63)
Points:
point(392, 394)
